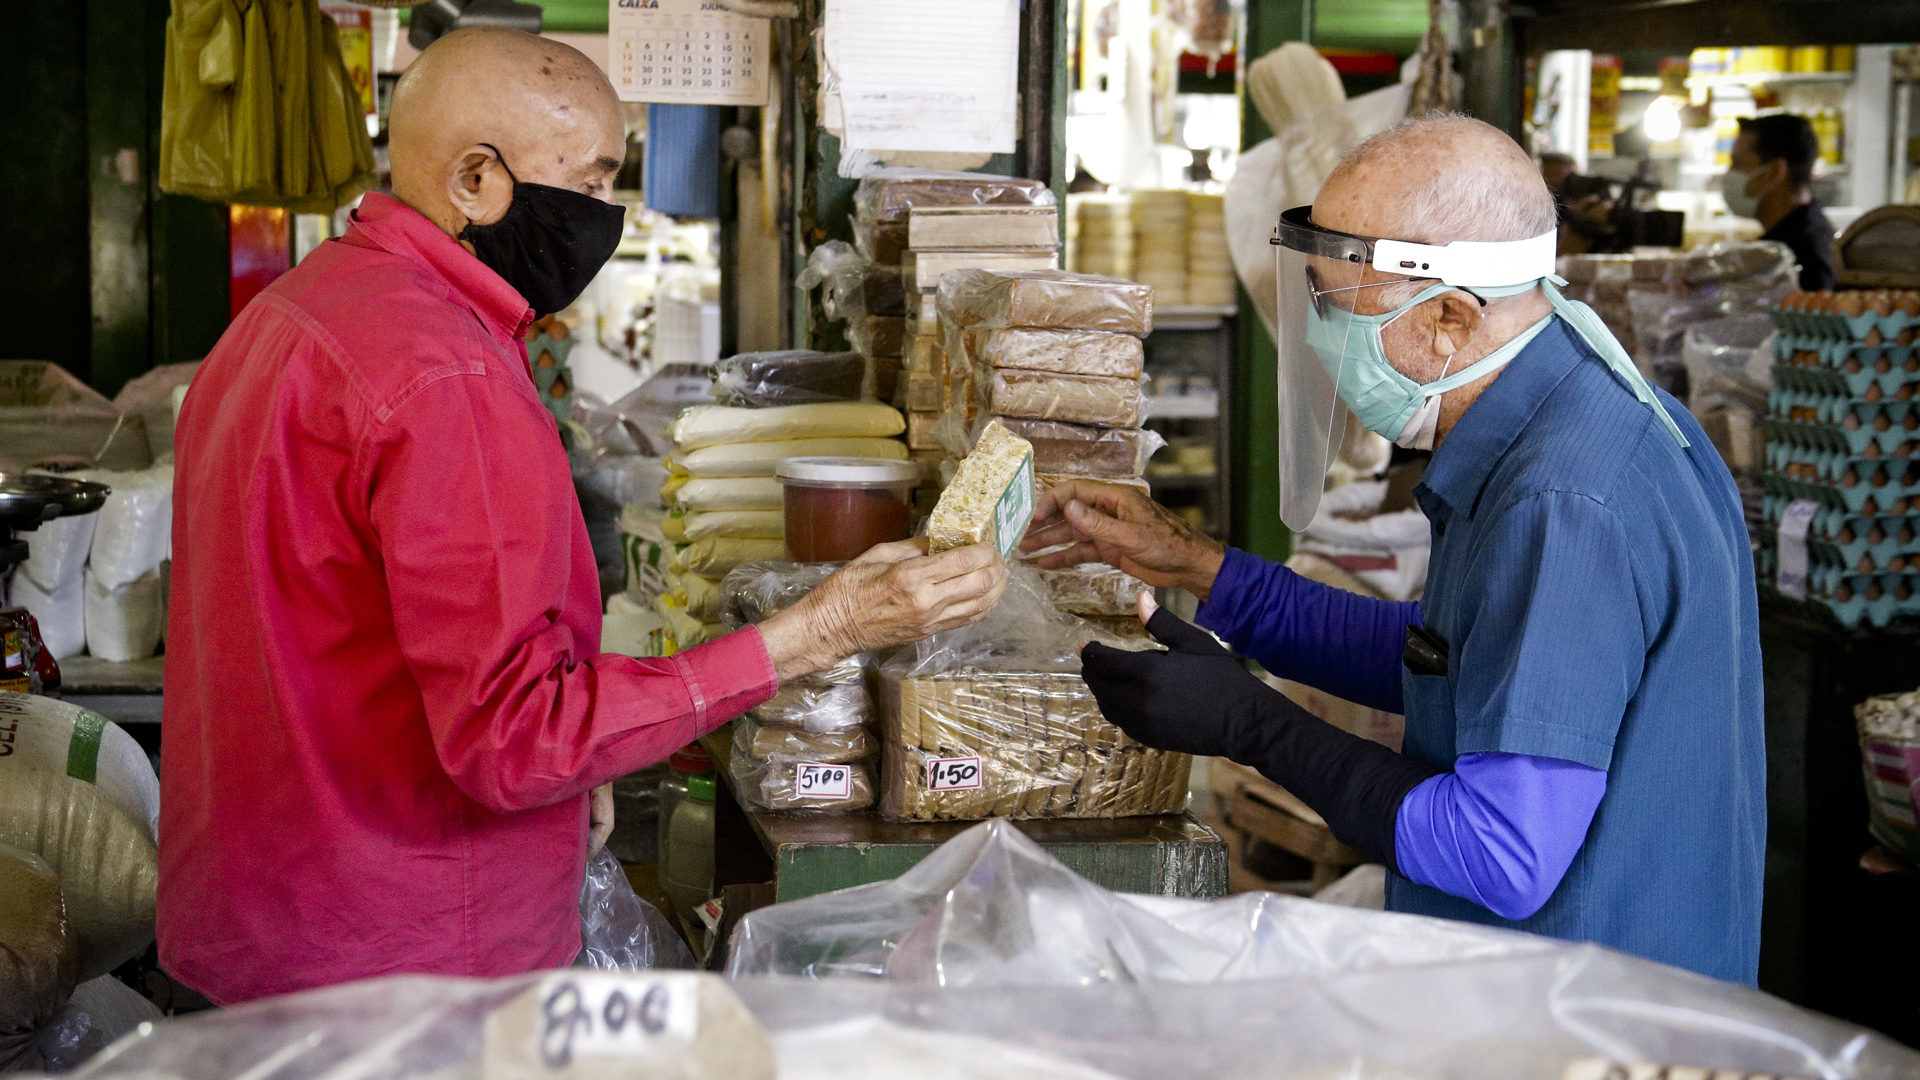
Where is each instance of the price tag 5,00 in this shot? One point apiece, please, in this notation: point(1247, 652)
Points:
point(812, 780)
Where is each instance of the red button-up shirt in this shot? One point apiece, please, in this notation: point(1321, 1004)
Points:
point(385, 698)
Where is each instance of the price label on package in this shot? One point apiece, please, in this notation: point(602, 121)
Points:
point(812, 780)
point(686, 52)
point(953, 774)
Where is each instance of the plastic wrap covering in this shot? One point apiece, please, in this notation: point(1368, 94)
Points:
point(1046, 299)
point(1083, 450)
point(759, 458)
point(817, 707)
point(101, 1012)
point(716, 555)
point(620, 931)
point(794, 377)
point(758, 589)
point(994, 720)
point(1071, 352)
point(37, 954)
point(1044, 482)
point(1342, 1003)
point(761, 524)
point(843, 271)
point(709, 425)
point(1730, 366)
point(790, 786)
point(769, 741)
point(49, 416)
point(1047, 395)
point(1755, 265)
point(1094, 589)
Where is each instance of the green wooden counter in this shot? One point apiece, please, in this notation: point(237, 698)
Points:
point(778, 857)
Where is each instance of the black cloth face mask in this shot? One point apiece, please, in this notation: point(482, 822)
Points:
point(549, 243)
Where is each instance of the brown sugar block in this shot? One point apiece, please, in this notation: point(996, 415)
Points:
point(1082, 449)
point(1071, 352)
point(1047, 395)
point(1049, 299)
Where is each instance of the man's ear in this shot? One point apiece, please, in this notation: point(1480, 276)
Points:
point(1456, 317)
point(478, 187)
point(1775, 171)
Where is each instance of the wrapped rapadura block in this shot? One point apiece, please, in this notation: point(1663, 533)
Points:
point(1044, 482)
point(1094, 589)
point(967, 744)
point(815, 707)
point(1053, 299)
point(923, 393)
point(802, 787)
point(1049, 395)
point(990, 498)
point(767, 742)
point(1070, 352)
point(1083, 450)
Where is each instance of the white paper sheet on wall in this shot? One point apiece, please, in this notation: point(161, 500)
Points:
point(686, 52)
point(936, 75)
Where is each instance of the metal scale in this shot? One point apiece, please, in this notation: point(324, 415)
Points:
point(27, 500)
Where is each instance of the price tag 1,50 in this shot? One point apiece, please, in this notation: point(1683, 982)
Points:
point(812, 780)
point(953, 774)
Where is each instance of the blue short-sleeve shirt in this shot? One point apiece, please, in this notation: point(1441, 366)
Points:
point(1594, 582)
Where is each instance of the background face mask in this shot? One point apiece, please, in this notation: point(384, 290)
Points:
point(1733, 187)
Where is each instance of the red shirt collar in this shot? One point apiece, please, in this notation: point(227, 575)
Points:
point(385, 222)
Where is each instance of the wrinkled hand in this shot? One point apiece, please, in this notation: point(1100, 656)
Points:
point(1120, 526)
point(1194, 698)
point(894, 594)
point(599, 818)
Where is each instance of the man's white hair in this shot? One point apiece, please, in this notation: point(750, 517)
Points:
point(1485, 197)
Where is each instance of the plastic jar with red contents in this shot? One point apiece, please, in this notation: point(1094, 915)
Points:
point(838, 507)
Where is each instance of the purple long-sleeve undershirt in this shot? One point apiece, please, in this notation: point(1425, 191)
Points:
point(1498, 829)
point(1333, 640)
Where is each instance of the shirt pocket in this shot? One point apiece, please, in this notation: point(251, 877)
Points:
point(1430, 720)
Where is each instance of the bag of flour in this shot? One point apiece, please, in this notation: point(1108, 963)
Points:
point(125, 585)
point(78, 792)
point(49, 583)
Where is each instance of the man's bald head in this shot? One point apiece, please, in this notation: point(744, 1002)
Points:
point(547, 109)
point(1436, 180)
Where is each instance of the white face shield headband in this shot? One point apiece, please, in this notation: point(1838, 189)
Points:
point(1321, 363)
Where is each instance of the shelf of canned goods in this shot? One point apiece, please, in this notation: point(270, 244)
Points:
point(1843, 435)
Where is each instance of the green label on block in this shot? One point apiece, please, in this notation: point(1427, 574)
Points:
point(1014, 510)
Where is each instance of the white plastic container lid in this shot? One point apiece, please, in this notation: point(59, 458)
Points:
point(847, 471)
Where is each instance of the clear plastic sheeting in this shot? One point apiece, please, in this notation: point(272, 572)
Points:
point(618, 930)
point(1044, 299)
point(1082, 450)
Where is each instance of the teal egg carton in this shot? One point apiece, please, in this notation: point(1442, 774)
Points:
point(1891, 498)
point(1800, 436)
point(1819, 326)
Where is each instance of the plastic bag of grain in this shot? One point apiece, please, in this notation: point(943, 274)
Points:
point(125, 589)
point(36, 955)
point(78, 792)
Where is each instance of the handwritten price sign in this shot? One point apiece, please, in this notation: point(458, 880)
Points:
point(816, 781)
point(953, 774)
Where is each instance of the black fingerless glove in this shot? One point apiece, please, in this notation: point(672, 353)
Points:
point(1197, 699)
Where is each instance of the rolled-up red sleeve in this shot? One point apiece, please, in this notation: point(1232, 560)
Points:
point(499, 622)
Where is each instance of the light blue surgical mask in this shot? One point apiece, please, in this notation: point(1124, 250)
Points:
point(1387, 402)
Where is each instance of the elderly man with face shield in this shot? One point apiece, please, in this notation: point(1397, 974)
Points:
point(1584, 753)
point(386, 700)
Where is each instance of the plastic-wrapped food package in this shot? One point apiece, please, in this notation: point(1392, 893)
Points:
point(1084, 450)
point(38, 954)
point(716, 555)
point(879, 335)
point(990, 497)
point(701, 597)
point(712, 493)
point(793, 377)
point(77, 791)
point(1070, 352)
point(814, 706)
point(763, 524)
point(125, 593)
point(994, 720)
point(886, 198)
point(100, 1013)
point(1759, 262)
point(1046, 395)
point(883, 291)
point(766, 742)
point(1044, 482)
point(759, 458)
point(764, 587)
point(1046, 299)
point(802, 787)
point(708, 425)
point(1094, 589)
point(620, 931)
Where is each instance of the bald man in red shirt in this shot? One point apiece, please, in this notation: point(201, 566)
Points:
point(386, 701)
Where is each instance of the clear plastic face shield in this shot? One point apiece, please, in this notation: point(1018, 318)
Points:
point(1319, 268)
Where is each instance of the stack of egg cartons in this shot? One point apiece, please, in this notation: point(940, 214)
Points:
point(1842, 482)
point(1102, 234)
point(1210, 279)
point(809, 748)
point(883, 208)
point(1057, 357)
point(1160, 243)
point(724, 504)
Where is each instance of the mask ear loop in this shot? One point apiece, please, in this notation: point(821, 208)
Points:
point(499, 157)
